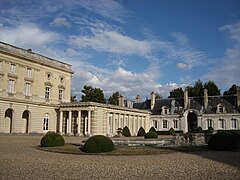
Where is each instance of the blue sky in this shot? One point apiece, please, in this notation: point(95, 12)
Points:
point(131, 46)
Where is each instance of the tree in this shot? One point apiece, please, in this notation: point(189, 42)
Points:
point(232, 90)
point(113, 99)
point(196, 90)
point(212, 88)
point(91, 94)
point(176, 93)
point(158, 96)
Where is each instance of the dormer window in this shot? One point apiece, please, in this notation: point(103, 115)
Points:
point(165, 110)
point(13, 68)
point(220, 108)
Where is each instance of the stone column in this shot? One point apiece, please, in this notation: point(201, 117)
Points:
point(113, 124)
point(85, 125)
point(79, 122)
point(70, 122)
point(61, 122)
point(89, 121)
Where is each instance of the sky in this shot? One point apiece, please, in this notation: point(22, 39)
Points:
point(131, 46)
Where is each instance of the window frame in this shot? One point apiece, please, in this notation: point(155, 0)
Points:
point(28, 87)
point(46, 122)
point(221, 124)
point(47, 92)
point(29, 72)
point(13, 68)
point(234, 124)
point(175, 124)
point(11, 86)
point(60, 94)
point(165, 124)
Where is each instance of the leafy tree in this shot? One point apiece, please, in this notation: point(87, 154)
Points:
point(176, 93)
point(212, 88)
point(158, 96)
point(196, 90)
point(73, 98)
point(231, 91)
point(113, 99)
point(91, 94)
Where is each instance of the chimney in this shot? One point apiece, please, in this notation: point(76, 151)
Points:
point(205, 98)
point(185, 99)
point(138, 99)
point(238, 97)
point(152, 100)
point(121, 101)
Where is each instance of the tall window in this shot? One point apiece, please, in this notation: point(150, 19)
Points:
point(165, 124)
point(221, 124)
point(11, 86)
point(210, 123)
point(45, 122)
point(29, 72)
point(47, 92)
point(60, 95)
point(13, 68)
point(175, 124)
point(234, 124)
point(155, 124)
point(28, 89)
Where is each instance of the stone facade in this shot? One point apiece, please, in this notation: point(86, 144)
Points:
point(31, 88)
point(187, 113)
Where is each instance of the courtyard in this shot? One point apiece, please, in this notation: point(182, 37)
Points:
point(19, 159)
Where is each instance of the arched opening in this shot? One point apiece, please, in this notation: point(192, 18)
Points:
point(25, 121)
point(192, 121)
point(8, 120)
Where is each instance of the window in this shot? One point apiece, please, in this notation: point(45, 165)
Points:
point(175, 124)
point(164, 110)
point(165, 124)
point(220, 108)
point(29, 72)
point(221, 124)
point(49, 76)
point(11, 86)
point(209, 123)
point(155, 124)
point(45, 122)
point(61, 79)
point(28, 89)
point(234, 124)
point(47, 92)
point(13, 68)
point(60, 95)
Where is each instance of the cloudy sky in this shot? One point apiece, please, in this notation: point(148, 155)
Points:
point(131, 46)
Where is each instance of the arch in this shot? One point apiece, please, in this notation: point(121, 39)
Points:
point(192, 121)
point(8, 128)
point(25, 121)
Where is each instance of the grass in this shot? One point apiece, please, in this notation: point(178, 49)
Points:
point(123, 150)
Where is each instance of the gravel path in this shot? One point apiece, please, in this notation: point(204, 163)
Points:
point(20, 160)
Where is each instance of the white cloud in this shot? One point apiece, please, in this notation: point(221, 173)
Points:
point(60, 21)
point(180, 38)
point(182, 66)
point(28, 36)
point(226, 72)
point(113, 42)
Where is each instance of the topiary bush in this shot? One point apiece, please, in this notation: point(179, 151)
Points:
point(199, 129)
point(223, 141)
point(98, 144)
point(52, 139)
point(210, 128)
point(141, 132)
point(151, 135)
point(126, 132)
point(171, 131)
point(152, 129)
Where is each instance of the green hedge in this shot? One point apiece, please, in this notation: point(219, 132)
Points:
point(141, 132)
point(52, 139)
point(126, 132)
point(223, 141)
point(152, 129)
point(169, 132)
point(98, 144)
point(151, 135)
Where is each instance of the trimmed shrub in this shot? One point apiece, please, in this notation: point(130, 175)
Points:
point(151, 135)
point(141, 132)
point(210, 128)
point(168, 133)
point(52, 139)
point(223, 141)
point(199, 129)
point(98, 144)
point(126, 132)
point(152, 129)
point(171, 131)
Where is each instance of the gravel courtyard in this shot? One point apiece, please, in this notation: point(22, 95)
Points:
point(19, 159)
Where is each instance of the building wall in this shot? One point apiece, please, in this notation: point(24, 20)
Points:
point(27, 70)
